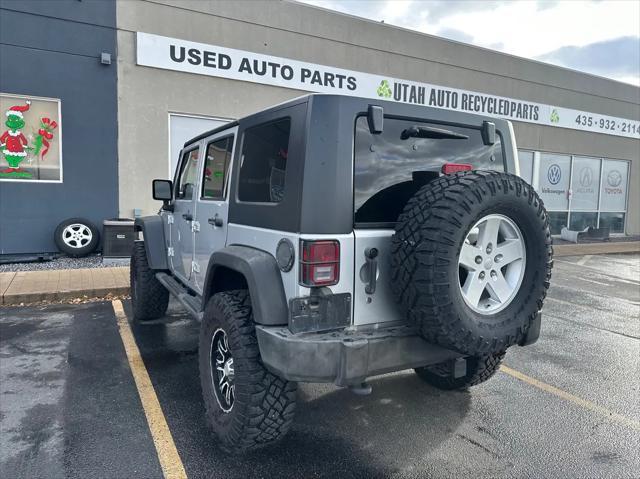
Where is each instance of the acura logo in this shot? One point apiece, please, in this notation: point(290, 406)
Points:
point(586, 177)
point(554, 174)
point(614, 178)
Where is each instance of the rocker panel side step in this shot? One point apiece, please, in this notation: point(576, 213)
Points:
point(182, 294)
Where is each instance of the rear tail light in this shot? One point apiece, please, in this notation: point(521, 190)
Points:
point(449, 168)
point(319, 263)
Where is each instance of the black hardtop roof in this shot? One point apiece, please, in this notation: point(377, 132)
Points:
point(288, 103)
point(361, 103)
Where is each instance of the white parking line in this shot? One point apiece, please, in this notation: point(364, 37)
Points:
point(584, 259)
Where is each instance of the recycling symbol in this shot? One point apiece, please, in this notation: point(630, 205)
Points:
point(384, 90)
point(555, 118)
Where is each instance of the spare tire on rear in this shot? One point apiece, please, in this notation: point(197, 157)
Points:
point(472, 259)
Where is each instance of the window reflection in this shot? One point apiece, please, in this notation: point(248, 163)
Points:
point(385, 162)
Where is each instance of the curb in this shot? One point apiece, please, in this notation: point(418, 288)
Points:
point(27, 287)
point(596, 248)
point(11, 299)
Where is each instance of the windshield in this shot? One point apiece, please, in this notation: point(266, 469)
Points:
point(390, 167)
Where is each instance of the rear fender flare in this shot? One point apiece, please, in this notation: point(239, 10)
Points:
point(263, 278)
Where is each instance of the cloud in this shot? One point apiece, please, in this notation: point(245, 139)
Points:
point(619, 57)
point(544, 4)
point(551, 30)
point(414, 14)
point(436, 10)
point(453, 34)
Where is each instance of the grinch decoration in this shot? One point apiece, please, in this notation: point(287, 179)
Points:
point(14, 145)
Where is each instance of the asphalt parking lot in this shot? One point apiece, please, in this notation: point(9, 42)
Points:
point(568, 406)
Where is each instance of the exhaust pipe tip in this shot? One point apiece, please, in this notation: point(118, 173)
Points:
point(362, 389)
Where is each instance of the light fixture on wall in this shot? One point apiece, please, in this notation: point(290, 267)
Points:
point(105, 58)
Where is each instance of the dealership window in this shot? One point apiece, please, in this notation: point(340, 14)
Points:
point(579, 191)
point(554, 174)
point(613, 221)
point(264, 161)
point(585, 186)
point(613, 194)
point(30, 139)
point(216, 166)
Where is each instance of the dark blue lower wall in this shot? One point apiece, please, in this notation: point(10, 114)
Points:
point(60, 58)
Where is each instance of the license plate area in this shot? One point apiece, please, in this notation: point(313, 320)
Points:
point(319, 313)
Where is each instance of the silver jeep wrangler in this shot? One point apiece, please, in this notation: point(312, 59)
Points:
point(334, 238)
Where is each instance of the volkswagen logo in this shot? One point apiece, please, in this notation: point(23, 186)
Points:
point(614, 178)
point(586, 177)
point(554, 174)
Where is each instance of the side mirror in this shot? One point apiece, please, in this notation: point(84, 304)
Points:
point(162, 190)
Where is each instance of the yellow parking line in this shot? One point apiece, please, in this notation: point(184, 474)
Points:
point(172, 467)
point(571, 398)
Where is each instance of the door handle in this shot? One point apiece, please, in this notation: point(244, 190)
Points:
point(188, 216)
point(215, 221)
point(372, 268)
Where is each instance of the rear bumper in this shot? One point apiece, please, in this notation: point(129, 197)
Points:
point(345, 357)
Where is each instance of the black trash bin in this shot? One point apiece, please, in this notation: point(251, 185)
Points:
point(118, 236)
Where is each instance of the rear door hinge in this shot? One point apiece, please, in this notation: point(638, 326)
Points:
point(195, 226)
point(195, 267)
point(170, 251)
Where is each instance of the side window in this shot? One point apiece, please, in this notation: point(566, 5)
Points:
point(264, 161)
point(216, 168)
point(189, 175)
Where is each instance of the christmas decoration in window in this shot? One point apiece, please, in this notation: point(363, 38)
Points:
point(30, 139)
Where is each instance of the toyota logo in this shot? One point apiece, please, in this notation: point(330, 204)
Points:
point(586, 177)
point(614, 178)
point(554, 174)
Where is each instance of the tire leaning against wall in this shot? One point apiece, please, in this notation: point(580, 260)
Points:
point(429, 264)
point(76, 237)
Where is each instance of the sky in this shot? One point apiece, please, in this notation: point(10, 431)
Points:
point(601, 37)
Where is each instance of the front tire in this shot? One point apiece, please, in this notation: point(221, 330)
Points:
point(479, 370)
point(149, 298)
point(247, 406)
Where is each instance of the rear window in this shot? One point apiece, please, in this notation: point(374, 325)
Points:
point(390, 169)
point(264, 162)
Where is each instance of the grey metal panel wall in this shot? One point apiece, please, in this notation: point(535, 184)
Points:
point(54, 48)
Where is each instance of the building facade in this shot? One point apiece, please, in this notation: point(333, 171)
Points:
point(187, 66)
point(183, 61)
point(50, 67)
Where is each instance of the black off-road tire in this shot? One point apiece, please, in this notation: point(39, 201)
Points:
point(264, 404)
point(425, 253)
point(76, 249)
point(479, 370)
point(149, 298)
